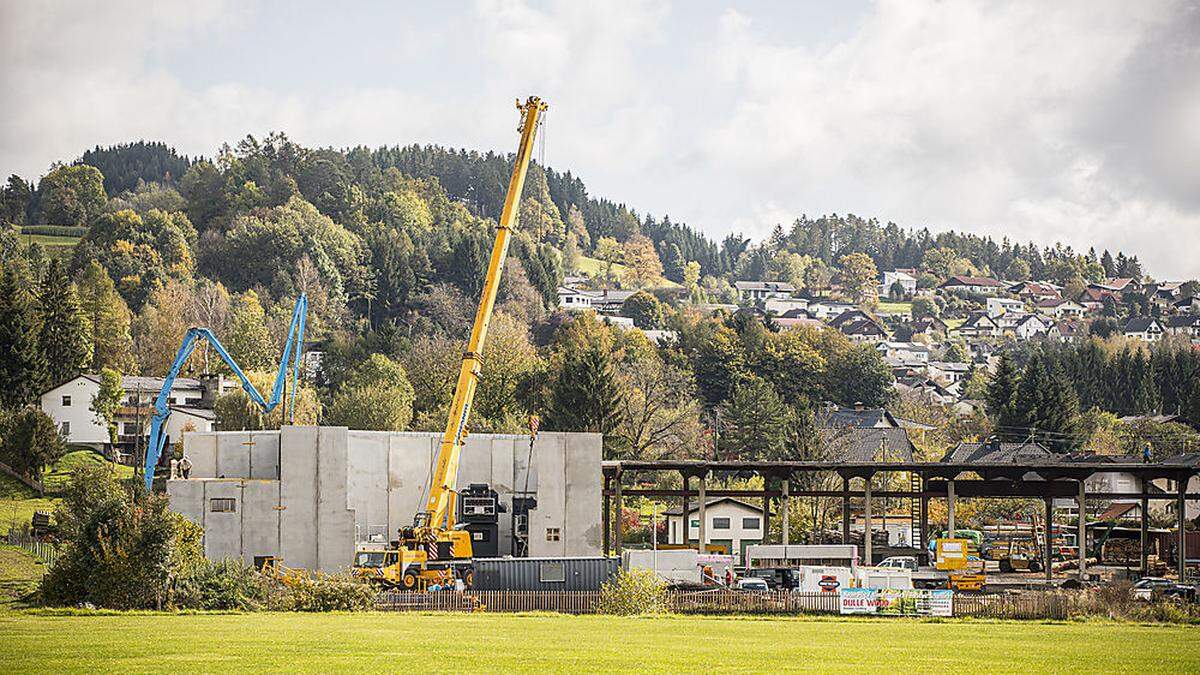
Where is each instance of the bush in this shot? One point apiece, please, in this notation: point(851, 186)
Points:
point(122, 548)
point(325, 593)
point(224, 585)
point(632, 593)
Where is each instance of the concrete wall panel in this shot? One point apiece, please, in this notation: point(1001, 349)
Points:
point(335, 520)
point(201, 451)
point(298, 493)
point(223, 530)
point(264, 455)
point(233, 454)
point(260, 519)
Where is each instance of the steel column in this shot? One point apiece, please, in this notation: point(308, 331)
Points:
point(783, 510)
point(867, 559)
point(617, 515)
point(1144, 551)
point(702, 540)
point(1081, 535)
point(1181, 545)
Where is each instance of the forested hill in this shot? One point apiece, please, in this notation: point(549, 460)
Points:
point(258, 172)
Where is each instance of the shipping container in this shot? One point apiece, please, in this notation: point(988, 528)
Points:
point(544, 574)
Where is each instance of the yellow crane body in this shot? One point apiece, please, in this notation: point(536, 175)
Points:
point(432, 550)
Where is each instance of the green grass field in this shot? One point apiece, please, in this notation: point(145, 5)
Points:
point(888, 307)
point(19, 575)
point(539, 643)
point(594, 268)
point(56, 247)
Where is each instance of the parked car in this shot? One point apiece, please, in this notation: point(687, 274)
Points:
point(753, 584)
point(900, 562)
point(777, 578)
point(1147, 588)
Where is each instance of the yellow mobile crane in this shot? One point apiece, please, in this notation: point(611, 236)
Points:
point(433, 550)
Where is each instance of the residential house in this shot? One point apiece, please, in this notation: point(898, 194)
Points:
point(948, 372)
point(858, 416)
point(1188, 305)
point(1066, 329)
point(191, 400)
point(1035, 291)
point(1031, 326)
point(931, 328)
point(1184, 324)
point(753, 291)
point(620, 321)
point(570, 298)
point(904, 353)
point(905, 278)
point(610, 301)
point(871, 444)
point(979, 324)
point(1093, 298)
point(928, 390)
point(863, 330)
point(778, 306)
point(794, 318)
point(999, 306)
point(731, 523)
point(1144, 328)
point(825, 309)
point(976, 285)
point(1119, 284)
point(1060, 308)
point(995, 452)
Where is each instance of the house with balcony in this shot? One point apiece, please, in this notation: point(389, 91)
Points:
point(191, 401)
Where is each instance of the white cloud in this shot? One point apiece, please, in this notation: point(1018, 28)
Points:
point(1077, 122)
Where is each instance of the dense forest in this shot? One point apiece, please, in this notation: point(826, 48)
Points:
point(390, 246)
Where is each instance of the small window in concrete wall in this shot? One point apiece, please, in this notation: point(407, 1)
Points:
point(750, 523)
point(222, 505)
point(65, 428)
point(552, 571)
point(720, 523)
point(695, 522)
point(66, 400)
point(553, 534)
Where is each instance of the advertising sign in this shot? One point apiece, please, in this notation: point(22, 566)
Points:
point(897, 602)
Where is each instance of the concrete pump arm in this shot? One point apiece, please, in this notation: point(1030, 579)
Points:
point(162, 410)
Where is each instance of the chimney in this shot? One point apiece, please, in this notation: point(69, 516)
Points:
point(210, 389)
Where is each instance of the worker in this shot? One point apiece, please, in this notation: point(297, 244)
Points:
point(185, 467)
point(1146, 453)
point(174, 468)
point(728, 577)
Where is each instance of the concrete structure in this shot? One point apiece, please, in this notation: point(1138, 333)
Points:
point(750, 291)
point(999, 306)
point(903, 277)
point(307, 495)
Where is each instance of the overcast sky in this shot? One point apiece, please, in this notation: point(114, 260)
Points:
point(1048, 121)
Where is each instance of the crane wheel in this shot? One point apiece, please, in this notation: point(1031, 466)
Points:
point(409, 581)
point(1006, 565)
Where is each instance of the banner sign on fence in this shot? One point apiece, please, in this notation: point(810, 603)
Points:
point(897, 602)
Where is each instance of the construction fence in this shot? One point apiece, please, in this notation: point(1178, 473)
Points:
point(715, 602)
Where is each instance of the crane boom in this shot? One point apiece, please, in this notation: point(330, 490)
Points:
point(439, 511)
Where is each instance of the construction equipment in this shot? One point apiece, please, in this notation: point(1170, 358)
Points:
point(436, 550)
point(1018, 555)
point(292, 352)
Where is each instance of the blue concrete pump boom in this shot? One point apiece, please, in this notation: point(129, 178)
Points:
point(292, 351)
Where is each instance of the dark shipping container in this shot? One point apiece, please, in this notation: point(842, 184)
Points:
point(544, 574)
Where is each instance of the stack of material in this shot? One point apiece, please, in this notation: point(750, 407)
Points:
point(1121, 551)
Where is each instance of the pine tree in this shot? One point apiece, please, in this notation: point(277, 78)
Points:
point(1110, 267)
point(106, 319)
point(756, 421)
point(63, 334)
point(1001, 397)
point(22, 365)
point(1058, 417)
point(585, 395)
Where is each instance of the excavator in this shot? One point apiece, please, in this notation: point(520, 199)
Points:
point(436, 550)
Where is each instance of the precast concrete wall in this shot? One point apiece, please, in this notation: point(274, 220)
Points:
point(308, 494)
